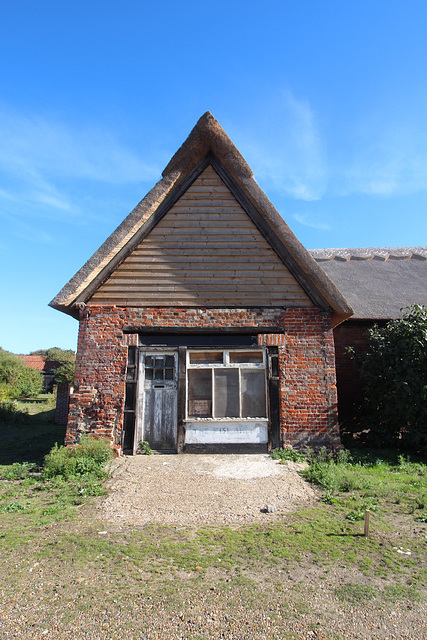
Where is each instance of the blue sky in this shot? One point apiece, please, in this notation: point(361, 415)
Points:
point(326, 100)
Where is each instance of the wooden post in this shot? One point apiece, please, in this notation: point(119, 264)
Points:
point(367, 519)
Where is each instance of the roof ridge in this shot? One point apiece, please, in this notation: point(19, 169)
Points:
point(369, 253)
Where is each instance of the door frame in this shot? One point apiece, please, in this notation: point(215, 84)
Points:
point(140, 398)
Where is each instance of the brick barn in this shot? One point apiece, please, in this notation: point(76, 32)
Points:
point(379, 283)
point(204, 324)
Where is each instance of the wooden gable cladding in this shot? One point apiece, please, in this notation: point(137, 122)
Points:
point(205, 251)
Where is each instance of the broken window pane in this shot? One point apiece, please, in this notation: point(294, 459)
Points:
point(200, 393)
point(246, 356)
point(253, 394)
point(226, 393)
point(149, 361)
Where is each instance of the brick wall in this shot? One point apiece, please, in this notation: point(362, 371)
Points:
point(62, 400)
point(308, 397)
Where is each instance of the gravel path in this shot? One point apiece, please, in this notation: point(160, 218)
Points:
point(202, 489)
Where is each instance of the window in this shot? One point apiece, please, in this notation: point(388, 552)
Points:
point(159, 367)
point(226, 384)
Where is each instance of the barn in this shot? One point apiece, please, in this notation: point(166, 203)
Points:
point(380, 284)
point(204, 324)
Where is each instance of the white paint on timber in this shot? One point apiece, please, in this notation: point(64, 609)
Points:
point(205, 251)
point(226, 432)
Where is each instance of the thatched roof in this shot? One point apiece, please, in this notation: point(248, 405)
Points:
point(378, 283)
point(207, 142)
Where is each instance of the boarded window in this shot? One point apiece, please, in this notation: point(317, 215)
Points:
point(200, 393)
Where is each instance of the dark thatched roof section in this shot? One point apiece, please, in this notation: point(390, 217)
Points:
point(378, 283)
point(206, 140)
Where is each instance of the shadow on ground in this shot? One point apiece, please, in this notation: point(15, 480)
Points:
point(29, 438)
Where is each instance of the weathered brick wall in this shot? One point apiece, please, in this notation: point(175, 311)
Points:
point(308, 399)
point(62, 400)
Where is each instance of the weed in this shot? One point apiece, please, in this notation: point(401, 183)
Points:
point(287, 453)
point(12, 507)
point(421, 501)
point(329, 497)
point(144, 448)
point(421, 518)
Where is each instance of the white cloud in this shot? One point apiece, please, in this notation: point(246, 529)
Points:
point(306, 222)
point(43, 163)
point(384, 160)
point(283, 145)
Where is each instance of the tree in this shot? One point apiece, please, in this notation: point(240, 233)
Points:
point(61, 355)
point(65, 373)
point(16, 379)
point(394, 377)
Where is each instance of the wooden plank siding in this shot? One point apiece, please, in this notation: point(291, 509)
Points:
point(205, 251)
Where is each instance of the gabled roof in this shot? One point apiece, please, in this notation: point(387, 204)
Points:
point(207, 144)
point(379, 282)
point(39, 363)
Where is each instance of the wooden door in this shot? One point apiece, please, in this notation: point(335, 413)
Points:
point(160, 400)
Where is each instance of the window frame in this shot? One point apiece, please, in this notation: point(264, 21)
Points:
point(226, 364)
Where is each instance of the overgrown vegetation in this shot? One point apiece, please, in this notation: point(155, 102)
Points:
point(394, 377)
point(87, 458)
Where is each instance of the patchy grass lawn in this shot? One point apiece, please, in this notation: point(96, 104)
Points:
point(65, 574)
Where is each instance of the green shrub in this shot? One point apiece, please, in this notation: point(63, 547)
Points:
point(87, 458)
point(394, 377)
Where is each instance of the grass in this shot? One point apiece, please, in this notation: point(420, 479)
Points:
point(61, 553)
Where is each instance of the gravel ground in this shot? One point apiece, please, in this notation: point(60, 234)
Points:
point(203, 489)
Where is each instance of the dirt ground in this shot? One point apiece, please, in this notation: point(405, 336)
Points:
point(203, 489)
point(98, 576)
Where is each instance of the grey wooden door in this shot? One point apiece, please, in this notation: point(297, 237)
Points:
point(160, 400)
